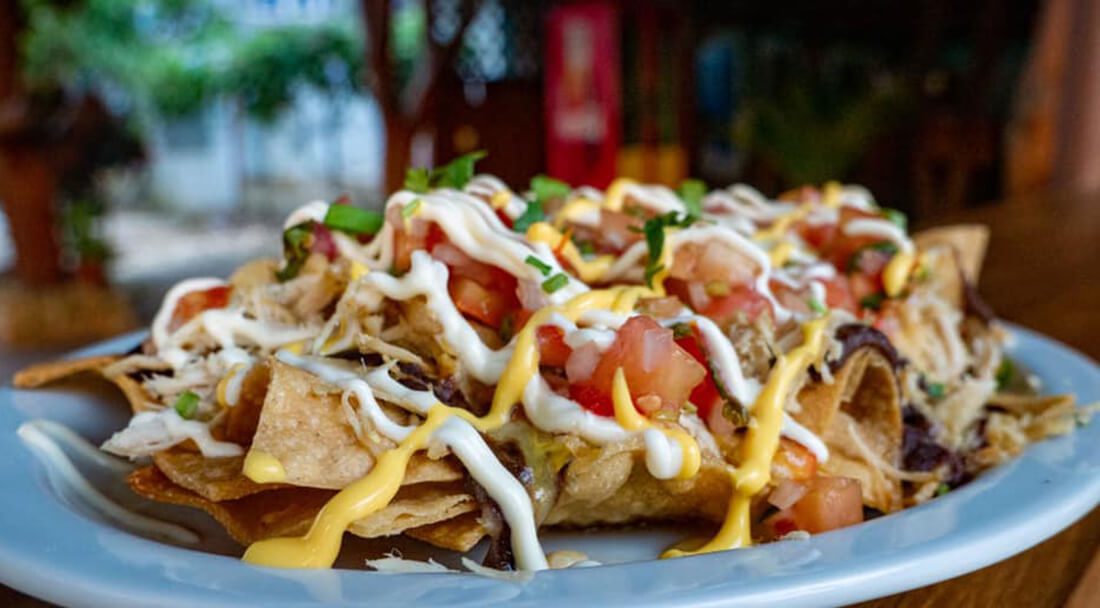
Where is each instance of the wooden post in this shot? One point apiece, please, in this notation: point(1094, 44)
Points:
point(28, 179)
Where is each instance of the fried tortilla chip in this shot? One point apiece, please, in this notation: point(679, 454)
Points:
point(45, 373)
point(290, 511)
point(458, 534)
point(968, 241)
point(215, 479)
point(858, 416)
point(244, 417)
point(304, 425)
point(613, 486)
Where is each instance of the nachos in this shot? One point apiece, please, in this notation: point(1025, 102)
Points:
point(475, 362)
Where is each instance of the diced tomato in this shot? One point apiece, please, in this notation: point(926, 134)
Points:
point(191, 304)
point(817, 235)
point(652, 363)
point(323, 243)
point(829, 503)
point(740, 299)
point(705, 395)
point(486, 305)
point(794, 461)
point(838, 294)
point(617, 231)
point(861, 286)
point(553, 350)
point(592, 399)
point(507, 221)
point(887, 320)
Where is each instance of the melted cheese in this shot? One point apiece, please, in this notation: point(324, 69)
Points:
point(262, 467)
point(761, 442)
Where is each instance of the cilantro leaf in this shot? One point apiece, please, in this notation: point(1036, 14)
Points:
point(873, 301)
point(353, 220)
point(296, 244)
point(457, 173)
point(654, 231)
point(418, 180)
point(545, 188)
point(692, 192)
point(942, 489)
point(936, 390)
point(897, 217)
point(816, 306)
point(533, 213)
point(1005, 372)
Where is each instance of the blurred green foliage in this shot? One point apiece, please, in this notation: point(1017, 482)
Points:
point(169, 58)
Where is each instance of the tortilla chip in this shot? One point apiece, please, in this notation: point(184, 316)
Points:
point(458, 534)
point(304, 426)
point(863, 398)
point(244, 417)
point(45, 373)
point(136, 395)
point(590, 496)
point(968, 241)
point(290, 511)
point(214, 479)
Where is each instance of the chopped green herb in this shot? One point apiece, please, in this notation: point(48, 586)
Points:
point(457, 173)
point(353, 220)
point(654, 231)
point(541, 266)
point(555, 282)
point(507, 328)
point(585, 247)
point(296, 244)
point(187, 404)
point(936, 390)
point(532, 214)
point(733, 411)
point(816, 306)
point(884, 246)
point(682, 330)
point(942, 489)
point(872, 302)
point(410, 209)
point(692, 192)
point(897, 217)
point(1005, 373)
point(418, 180)
point(545, 188)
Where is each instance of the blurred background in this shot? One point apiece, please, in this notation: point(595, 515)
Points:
point(142, 141)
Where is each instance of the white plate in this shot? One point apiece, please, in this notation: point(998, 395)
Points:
point(57, 546)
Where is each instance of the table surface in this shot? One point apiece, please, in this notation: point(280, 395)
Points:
point(1042, 271)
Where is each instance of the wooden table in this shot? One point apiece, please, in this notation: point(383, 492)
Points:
point(1042, 271)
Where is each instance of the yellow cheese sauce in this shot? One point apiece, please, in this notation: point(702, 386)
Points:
point(630, 419)
point(588, 270)
point(262, 467)
point(761, 442)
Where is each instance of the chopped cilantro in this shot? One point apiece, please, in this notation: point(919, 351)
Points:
point(532, 214)
point(555, 282)
point(816, 306)
point(187, 404)
point(455, 174)
point(692, 192)
point(1005, 372)
point(873, 301)
point(936, 390)
point(897, 217)
point(654, 231)
point(585, 247)
point(682, 330)
point(542, 267)
point(410, 209)
point(418, 180)
point(545, 188)
point(296, 244)
point(352, 220)
point(942, 489)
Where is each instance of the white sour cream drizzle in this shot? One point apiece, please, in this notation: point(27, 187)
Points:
point(314, 211)
point(44, 439)
point(153, 431)
point(880, 228)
